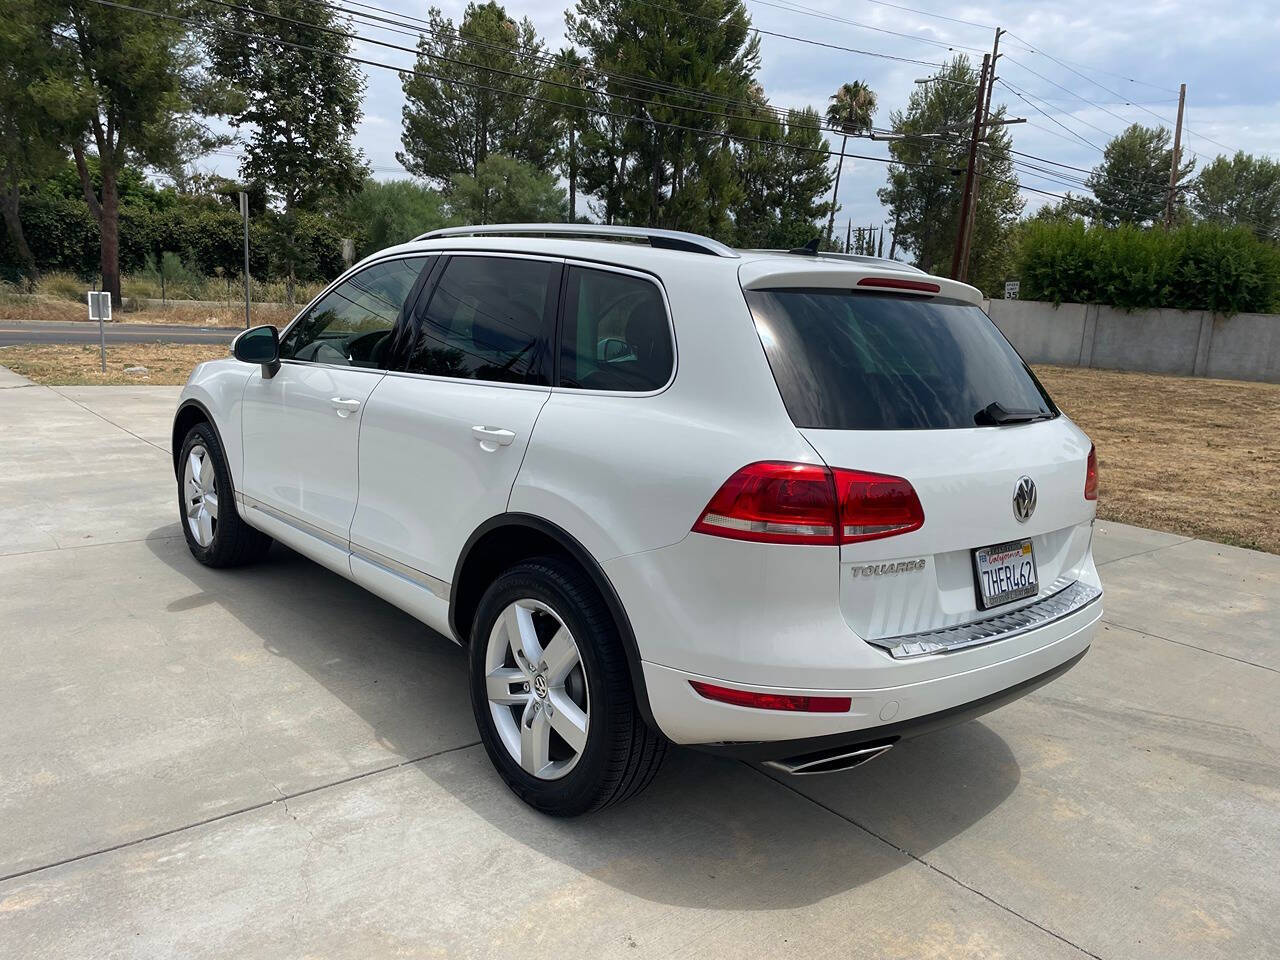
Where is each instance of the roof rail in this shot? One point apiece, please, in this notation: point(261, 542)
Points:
point(852, 257)
point(662, 239)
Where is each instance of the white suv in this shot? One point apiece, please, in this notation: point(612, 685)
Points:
point(783, 506)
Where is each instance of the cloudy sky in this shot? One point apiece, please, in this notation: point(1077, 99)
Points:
point(1087, 68)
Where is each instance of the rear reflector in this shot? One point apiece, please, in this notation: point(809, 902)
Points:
point(1091, 475)
point(772, 701)
point(896, 283)
point(773, 502)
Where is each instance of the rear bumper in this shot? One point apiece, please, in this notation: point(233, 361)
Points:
point(972, 685)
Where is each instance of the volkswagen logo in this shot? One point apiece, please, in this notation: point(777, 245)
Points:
point(1024, 499)
point(540, 686)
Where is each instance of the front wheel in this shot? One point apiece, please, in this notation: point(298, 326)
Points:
point(552, 693)
point(216, 535)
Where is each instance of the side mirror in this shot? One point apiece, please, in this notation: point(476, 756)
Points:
point(259, 345)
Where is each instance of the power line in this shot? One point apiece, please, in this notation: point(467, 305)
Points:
point(1025, 99)
point(822, 15)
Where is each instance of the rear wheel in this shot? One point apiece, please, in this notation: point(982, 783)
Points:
point(552, 693)
point(216, 535)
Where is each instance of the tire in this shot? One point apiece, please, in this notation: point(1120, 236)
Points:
point(217, 537)
point(619, 754)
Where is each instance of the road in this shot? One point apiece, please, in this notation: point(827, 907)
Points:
point(14, 332)
point(270, 762)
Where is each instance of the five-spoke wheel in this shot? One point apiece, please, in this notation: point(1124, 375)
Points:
point(200, 489)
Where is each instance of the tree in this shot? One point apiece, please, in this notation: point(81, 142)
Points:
point(125, 86)
point(571, 90)
point(1131, 184)
point(665, 156)
point(504, 190)
point(1243, 190)
point(482, 103)
point(301, 102)
point(392, 211)
point(850, 111)
point(927, 181)
point(783, 181)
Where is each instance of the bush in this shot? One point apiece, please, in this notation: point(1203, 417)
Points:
point(1199, 267)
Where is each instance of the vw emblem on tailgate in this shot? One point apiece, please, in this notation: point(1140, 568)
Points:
point(1024, 499)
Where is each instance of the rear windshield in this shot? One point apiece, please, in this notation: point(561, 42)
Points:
point(856, 361)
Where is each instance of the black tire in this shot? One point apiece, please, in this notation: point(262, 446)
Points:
point(235, 543)
point(622, 753)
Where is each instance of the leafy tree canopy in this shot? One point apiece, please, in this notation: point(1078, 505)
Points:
point(504, 190)
point(1131, 184)
point(1242, 190)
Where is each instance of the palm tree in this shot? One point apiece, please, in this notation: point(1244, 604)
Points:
point(849, 112)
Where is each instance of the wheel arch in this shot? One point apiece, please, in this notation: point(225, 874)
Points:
point(510, 537)
point(189, 413)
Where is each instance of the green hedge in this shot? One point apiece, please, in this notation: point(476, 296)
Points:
point(63, 236)
point(1199, 267)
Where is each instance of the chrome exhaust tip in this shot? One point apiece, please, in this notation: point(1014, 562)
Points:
point(829, 761)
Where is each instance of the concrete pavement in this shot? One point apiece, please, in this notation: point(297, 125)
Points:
point(272, 763)
point(80, 331)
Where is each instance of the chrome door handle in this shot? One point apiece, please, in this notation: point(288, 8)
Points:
point(345, 406)
point(490, 438)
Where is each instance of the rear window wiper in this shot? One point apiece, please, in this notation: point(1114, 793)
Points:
point(995, 414)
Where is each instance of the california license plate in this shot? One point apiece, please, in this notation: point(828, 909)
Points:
point(1004, 573)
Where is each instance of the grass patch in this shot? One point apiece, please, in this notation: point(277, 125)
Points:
point(1188, 455)
point(44, 307)
point(79, 364)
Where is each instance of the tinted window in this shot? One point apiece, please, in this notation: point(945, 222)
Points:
point(490, 318)
point(850, 361)
point(352, 323)
point(616, 335)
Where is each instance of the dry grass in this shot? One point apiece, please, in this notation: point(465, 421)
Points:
point(79, 365)
point(185, 314)
point(1192, 456)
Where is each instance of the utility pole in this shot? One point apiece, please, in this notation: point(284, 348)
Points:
point(848, 236)
point(977, 178)
point(244, 212)
point(1173, 167)
point(966, 200)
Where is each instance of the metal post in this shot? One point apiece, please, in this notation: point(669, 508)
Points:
point(968, 178)
point(1173, 167)
point(244, 212)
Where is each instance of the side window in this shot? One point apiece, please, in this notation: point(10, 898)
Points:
point(616, 335)
point(489, 318)
point(351, 325)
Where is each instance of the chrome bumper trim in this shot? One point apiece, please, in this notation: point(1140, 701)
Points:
point(1066, 600)
point(403, 570)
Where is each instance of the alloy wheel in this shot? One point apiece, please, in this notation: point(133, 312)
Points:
point(200, 494)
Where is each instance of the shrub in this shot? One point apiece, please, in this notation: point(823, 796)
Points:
point(1198, 267)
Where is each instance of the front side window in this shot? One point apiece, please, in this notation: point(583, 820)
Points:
point(845, 360)
point(351, 325)
point(489, 318)
point(616, 335)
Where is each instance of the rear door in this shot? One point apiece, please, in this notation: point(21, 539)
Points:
point(301, 427)
point(444, 436)
point(926, 388)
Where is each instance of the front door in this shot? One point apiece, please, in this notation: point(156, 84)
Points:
point(301, 427)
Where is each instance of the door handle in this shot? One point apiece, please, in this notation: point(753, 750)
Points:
point(490, 438)
point(345, 406)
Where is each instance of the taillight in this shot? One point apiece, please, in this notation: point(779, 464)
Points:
point(773, 502)
point(1091, 475)
point(799, 703)
point(895, 283)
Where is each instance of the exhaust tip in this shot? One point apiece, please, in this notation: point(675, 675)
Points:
point(833, 760)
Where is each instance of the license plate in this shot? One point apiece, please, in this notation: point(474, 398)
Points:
point(1004, 573)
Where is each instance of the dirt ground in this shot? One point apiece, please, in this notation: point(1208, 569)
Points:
point(177, 312)
point(80, 365)
point(1192, 456)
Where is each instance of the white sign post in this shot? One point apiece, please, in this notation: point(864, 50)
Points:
point(100, 310)
point(1011, 290)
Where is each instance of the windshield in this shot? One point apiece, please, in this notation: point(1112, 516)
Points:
point(855, 361)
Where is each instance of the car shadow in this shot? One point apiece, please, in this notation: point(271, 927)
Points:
point(709, 832)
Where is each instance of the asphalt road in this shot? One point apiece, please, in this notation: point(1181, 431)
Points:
point(13, 332)
point(272, 763)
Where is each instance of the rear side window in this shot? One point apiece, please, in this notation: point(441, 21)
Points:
point(616, 335)
point(489, 318)
point(854, 361)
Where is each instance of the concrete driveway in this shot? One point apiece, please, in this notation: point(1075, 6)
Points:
point(271, 763)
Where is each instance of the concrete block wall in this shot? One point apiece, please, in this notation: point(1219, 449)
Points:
point(1180, 342)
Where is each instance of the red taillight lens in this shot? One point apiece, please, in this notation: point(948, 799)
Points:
point(873, 506)
point(1091, 475)
point(893, 283)
point(772, 701)
point(772, 502)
